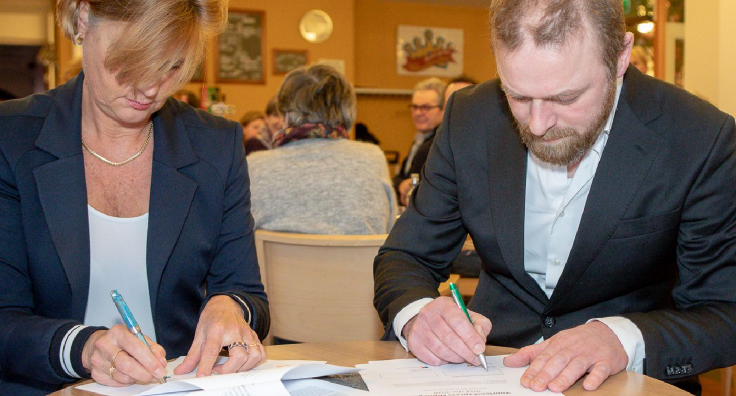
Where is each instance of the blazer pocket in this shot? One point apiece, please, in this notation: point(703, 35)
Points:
point(647, 225)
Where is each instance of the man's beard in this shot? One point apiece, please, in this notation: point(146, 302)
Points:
point(574, 145)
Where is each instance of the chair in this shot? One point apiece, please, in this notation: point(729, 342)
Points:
point(320, 287)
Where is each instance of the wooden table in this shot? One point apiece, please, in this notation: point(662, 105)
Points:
point(350, 353)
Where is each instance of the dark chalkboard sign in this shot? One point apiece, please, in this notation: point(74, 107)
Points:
point(285, 61)
point(240, 48)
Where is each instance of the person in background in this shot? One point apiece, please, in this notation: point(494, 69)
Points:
point(316, 180)
point(456, 83)
point(362, 134)
point(187, 97)
point(106, 183)
point(427, 107)
point(640, 58)
point(599, 199)
point(253, 125)
point(274, 120)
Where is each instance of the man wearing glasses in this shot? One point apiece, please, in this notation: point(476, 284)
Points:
point(427, 109)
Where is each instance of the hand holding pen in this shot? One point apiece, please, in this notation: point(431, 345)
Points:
point(133, 327)
point(441, 333)
point(459, 301)
point(117, 347)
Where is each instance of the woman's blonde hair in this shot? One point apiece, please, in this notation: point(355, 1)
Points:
point(317, 94)
point(157, 35)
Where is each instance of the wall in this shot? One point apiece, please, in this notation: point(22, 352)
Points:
point(282, 32)
point(23, 28)
point(376, 21)
point(710, 57)
point(727, 61)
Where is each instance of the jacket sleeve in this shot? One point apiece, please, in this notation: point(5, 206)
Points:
point(426, 238)
point(698, 335)
point(27, 341)
point(234, 270)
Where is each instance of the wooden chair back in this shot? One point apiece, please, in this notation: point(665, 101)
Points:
point(320, 287)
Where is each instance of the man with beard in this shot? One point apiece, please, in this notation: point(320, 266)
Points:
point(607, 232)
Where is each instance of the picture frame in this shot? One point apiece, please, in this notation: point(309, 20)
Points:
point(286, 60)
point(240, 48)
point(429, 51)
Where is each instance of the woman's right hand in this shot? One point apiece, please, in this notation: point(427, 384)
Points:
point(134, 362)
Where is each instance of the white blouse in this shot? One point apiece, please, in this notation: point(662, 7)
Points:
point(118, 261)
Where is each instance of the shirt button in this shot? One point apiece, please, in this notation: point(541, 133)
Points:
point(557, 262)
point(562, 214)
point(549, 321)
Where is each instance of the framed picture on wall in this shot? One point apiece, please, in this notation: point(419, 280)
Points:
point(240, 48)
point(285, 60)
point(429, 51)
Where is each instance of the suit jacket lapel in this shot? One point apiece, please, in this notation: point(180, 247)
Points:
point(627, 157)
point(171, 193)
point(62, 190)
point(507, 157)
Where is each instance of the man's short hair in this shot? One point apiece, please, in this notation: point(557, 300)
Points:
point(433, 84)
point(553, 22)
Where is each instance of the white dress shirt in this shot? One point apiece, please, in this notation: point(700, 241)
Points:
point(419, 138)
point(553, 208)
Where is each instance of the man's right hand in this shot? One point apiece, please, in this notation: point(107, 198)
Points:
point(441, 333)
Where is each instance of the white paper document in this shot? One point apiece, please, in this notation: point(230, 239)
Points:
point(314, 387)
point(263, 380)
point(411, 377)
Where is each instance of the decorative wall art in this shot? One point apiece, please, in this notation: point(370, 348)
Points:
point(240, 48)
point(428, 51)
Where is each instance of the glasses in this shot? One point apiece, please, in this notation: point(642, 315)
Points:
point(422, 108)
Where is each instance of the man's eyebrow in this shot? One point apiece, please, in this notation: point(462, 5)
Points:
point(564, 95)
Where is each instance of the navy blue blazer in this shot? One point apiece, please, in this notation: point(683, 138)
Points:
point(200, 230)
point(656, 242)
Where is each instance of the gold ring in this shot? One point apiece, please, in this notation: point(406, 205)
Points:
point(253, 345)
point(111, 370)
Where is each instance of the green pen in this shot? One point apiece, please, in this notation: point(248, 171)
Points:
point(459, 301)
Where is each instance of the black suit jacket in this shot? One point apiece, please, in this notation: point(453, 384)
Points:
point(200, 231)
point(656, 242)
point(417, 162)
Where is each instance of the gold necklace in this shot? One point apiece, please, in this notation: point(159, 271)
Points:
point(136, 155)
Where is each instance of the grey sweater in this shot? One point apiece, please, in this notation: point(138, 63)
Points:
point(322, 186)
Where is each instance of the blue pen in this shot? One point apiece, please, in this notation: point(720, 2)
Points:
point(130, 321)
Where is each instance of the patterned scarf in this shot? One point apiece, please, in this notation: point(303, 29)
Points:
point(308, 131)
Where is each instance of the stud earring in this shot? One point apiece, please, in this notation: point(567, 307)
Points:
point(78, 39)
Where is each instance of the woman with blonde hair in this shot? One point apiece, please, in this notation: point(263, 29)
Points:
point(315, 179)
point(108, 183)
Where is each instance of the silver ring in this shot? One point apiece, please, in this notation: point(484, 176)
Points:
point(238, 344)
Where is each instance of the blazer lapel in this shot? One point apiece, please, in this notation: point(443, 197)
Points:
point(507, 157)
point(629, 153)
point(62, 190)
point(171, 194)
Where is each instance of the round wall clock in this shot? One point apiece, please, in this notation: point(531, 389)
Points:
point(315, 26)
